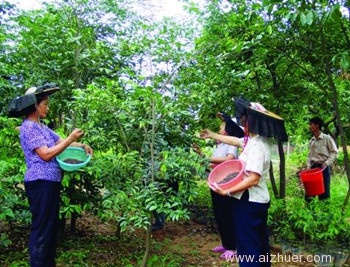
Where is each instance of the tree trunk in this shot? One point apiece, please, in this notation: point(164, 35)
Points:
point(334, 94)
point(147, 245)
point(273, 181)
point(341, 130)
point(282, 170)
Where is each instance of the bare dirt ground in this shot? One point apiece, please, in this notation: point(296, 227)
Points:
point(191, 241)
point(194, 243)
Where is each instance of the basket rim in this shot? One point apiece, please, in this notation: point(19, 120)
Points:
point(88, 157)
point(228, 162)
point(223, 164)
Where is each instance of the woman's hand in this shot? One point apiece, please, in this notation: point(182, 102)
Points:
point(217, 189)
point(197, 149)
point(204, 134)
point(87, 149)
point(76, 134)
point(220, 116)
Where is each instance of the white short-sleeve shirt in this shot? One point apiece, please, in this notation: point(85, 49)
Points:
point(223, 150)
point(256, 156)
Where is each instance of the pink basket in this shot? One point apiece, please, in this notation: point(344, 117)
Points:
point(221, 171)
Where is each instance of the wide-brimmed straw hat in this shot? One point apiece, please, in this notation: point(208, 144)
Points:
point(260, 120)
point(23, 105)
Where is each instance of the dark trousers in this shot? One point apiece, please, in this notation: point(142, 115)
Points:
point(253, 246)
point(43, 197)
point(326, 182)
point(222, 205)
point(159, 219)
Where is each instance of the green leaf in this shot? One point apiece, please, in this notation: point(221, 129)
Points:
point(152, 208)
point(344, 61)
point(303, 19)
point(269, 29)
point(65, 182)
point(163, 168)
point(309, 18)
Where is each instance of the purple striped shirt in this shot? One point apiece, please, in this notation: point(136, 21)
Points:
point(34, 135)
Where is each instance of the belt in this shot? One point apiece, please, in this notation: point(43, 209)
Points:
point(316, 162)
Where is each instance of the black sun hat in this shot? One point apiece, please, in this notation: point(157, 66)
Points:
point(260, 120)
point(22, 105)
point(231, 127)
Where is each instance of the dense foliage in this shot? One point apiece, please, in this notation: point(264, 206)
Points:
point(142, 88)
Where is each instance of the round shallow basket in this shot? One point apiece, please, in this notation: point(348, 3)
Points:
point(73, 154)
point(221, 172)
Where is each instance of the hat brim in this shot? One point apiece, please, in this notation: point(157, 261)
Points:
point(268, 113)
point(262, 122)
point(266, 123)
point(47, 92)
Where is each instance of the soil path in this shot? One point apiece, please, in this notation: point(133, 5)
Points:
point(193, 242)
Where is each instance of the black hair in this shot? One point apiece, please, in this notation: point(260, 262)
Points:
point(40, 97)
point(318, 121)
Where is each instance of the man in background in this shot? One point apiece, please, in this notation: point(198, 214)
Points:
point(322, 153)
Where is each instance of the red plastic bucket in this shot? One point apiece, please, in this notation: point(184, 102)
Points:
point(313, 181)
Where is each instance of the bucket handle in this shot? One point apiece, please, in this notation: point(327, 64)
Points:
point(323, 168)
